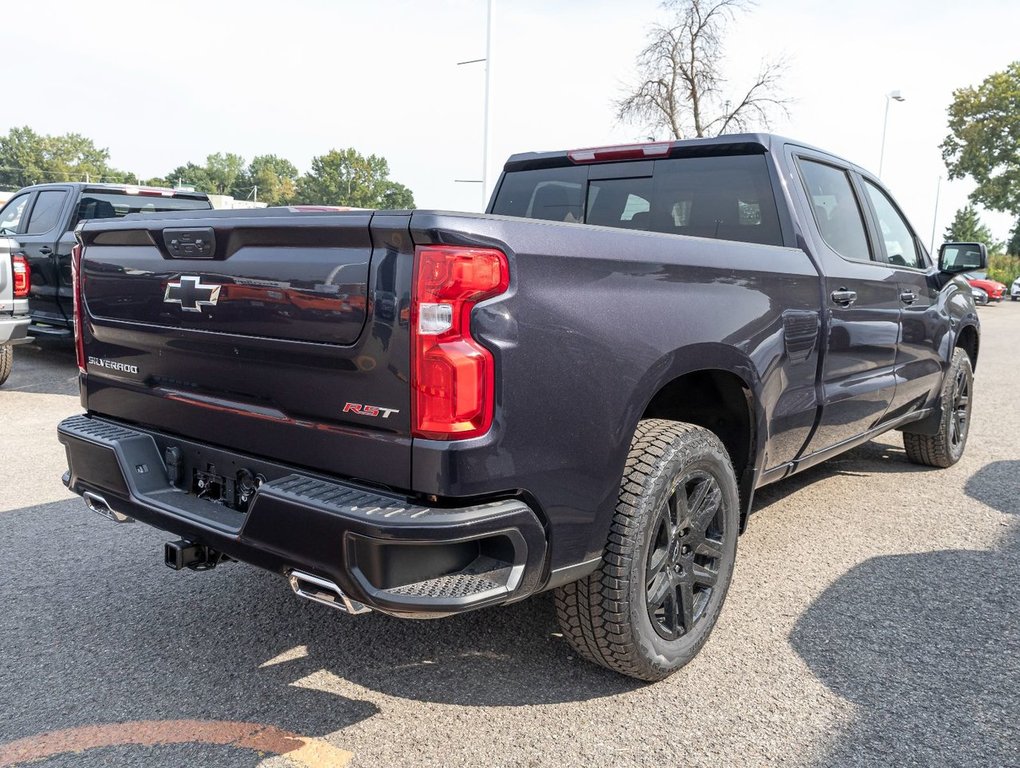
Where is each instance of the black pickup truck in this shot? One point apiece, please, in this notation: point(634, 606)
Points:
point(422, 413)
point(43, 217)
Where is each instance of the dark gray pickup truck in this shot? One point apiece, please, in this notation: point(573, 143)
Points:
point(422, 413)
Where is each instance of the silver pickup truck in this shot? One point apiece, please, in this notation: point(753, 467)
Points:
point(15, 280)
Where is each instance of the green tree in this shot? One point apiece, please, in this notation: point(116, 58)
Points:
point(984, 139)
point(268, 179)
point(27, 157)
point(967, 228)
point(345, 177)
point(223, 171)
point(191, 175)
point(1013, 244)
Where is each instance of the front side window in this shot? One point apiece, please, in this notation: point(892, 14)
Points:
point(10, 216)
point(898, 240)
point(835, 209)
point(46, 211)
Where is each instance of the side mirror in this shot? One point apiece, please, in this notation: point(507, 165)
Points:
point(955, 258)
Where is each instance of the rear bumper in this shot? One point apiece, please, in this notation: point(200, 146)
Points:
point(389, 553)
point(13, 330)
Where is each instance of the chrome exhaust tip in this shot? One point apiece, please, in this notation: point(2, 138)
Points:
point(323, 591)
point(101, 506)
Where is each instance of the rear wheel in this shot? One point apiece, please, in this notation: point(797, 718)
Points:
point(6, 361)
point(654, 599)
point(945, 448)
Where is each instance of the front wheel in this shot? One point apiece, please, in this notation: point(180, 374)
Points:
point(6, 362)
point(651, 604)
point(945, 447)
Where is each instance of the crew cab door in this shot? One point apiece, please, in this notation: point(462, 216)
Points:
point(861, 307)
point(923, 326)
point(48, 254)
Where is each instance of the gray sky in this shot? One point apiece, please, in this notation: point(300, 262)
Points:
point(164, 83)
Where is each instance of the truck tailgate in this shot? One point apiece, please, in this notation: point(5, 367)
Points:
point(267, 332)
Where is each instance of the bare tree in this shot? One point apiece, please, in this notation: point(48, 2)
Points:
point(682, 88)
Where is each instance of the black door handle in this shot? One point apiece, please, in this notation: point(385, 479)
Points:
point(843, 297)
point(45, 250)
point(908, 297)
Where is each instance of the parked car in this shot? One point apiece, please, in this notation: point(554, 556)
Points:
point(579, 391)
point(1014, 293)
point(14, 287)
point(993, 288)
point(43, 217)
point(980, 296)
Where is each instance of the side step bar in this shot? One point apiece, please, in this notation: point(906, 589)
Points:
point(320, 590)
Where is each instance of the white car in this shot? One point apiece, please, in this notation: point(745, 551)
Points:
point(1014, 292)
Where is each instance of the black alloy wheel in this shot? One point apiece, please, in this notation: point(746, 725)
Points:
point(683, 561)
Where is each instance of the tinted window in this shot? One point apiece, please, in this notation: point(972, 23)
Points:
point(836, 210)
point(619, 203)
point(553, 194)
point(11, 214)
point(727, 197)
point(112, 205)
point(46, 211)
point(899, 244)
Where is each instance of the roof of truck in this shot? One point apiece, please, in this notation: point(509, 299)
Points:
point(138, 189)
point(737, 143)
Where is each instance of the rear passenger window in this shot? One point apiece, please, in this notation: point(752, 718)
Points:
point(835, 209)
point(46, 211)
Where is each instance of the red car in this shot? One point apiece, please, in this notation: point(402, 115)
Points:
point(993, 288)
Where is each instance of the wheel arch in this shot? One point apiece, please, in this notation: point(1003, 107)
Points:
point(969, 340)
point(714, 386)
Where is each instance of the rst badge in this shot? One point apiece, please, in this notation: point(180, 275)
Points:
point(369, 410)
point(191, 293)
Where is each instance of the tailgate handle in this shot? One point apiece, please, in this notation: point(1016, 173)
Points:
point(190, 242)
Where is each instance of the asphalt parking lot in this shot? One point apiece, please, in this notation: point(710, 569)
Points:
point(873, 620)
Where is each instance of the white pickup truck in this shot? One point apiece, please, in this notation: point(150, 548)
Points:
point(15, 280)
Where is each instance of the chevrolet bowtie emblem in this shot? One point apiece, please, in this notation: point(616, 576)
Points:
point(191, 293)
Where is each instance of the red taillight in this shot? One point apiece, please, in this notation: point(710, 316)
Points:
point(22, 277)
point(452, 376)
point(79, 311)
point(622, 152)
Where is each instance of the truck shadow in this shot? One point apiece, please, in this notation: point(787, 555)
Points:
point(866, 459)
point(927, 647)
point(107, 627)
point(44, 368)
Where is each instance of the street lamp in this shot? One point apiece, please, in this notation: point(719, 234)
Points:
point(891, 96)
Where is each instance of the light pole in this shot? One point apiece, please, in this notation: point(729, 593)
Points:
point(891, 96)
point(484, 181)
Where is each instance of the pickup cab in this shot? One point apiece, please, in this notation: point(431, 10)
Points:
point(42, 218)
point(14, 287)
point(423, 413)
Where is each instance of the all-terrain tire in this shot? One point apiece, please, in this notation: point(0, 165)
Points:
point(6, 362)
point(945, 447)
point(608, 616)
